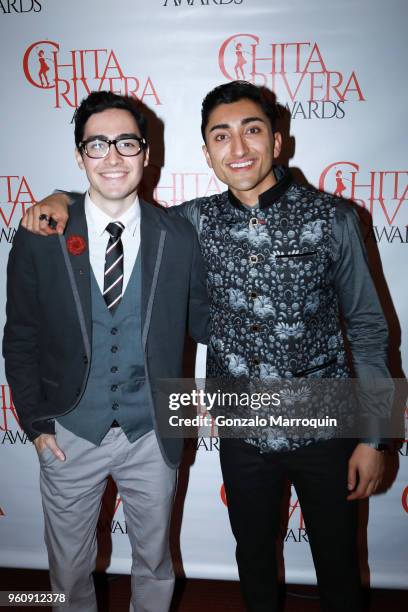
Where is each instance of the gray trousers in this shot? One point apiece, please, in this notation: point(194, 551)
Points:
point(71, 494)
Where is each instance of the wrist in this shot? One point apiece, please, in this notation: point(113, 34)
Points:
point(378, 446)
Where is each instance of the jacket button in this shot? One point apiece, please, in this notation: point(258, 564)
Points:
point(256, 361)
point(253, 294)
point(253, 221)
point(85, 359)
point(255, 328)
point(115, 406)
point(77, 392)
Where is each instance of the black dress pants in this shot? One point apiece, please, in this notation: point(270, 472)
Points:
point(254, 485)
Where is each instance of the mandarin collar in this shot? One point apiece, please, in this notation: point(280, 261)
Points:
point(267, 198)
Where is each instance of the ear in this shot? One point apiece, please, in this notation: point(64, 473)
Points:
point(207, 156)
point(79, 159)
point(146, 157)
point(277, 144)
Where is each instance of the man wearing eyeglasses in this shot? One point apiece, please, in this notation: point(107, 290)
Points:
point(82, 388)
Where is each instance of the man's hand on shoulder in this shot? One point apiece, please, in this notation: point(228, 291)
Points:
point(54, 207)
point(48, 441)
point(365, 472)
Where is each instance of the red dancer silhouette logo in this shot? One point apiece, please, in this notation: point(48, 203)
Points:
point(241, 61)
point(44, 68)
point(295, 511)
point(9, 418)
point(340, 186)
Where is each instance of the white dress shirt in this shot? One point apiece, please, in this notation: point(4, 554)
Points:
point(98, 238)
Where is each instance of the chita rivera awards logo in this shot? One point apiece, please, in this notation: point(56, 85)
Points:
point(15, 197)
point(177, 187)
point(382, 193)
point(293, 528)
point(69, 76)
point(112, 522)
point(20, 6)
point(298, 72)
point(10, 428)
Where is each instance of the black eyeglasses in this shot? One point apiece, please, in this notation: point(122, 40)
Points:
point(97, 148)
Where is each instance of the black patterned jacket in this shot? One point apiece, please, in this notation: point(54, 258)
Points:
point(278, 276)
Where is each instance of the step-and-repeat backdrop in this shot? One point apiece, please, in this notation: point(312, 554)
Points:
point(339, 72)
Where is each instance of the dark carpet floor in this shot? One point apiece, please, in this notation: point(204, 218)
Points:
point(195, 595)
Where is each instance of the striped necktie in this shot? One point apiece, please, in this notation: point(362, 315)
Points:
point(113, 278)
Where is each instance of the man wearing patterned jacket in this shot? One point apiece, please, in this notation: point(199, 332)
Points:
point(282, 262)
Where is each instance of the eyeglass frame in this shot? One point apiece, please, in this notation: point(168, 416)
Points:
point(142, 143)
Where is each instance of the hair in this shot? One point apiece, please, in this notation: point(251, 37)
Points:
point(99, 101)
point(234, 91)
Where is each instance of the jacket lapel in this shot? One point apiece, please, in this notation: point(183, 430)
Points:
point(75, 246)
point(152, 238)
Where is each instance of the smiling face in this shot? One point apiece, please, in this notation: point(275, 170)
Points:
point(241, 148)
point(114, 179)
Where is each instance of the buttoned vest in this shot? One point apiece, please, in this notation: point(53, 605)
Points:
point(115, 388)
point(274, 309)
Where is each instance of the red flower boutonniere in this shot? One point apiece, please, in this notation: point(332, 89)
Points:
point(76, 245)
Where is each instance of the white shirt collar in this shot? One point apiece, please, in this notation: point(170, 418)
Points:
point(98, 220)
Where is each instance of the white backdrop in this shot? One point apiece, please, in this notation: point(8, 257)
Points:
point(339, 68)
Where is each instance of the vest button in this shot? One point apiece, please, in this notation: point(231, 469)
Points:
point(114, 349)
point(114, 387)
point(114, 331)
point(256, 361)
point(255, 328)
point(253, 294)
point(115, 406)
point(114, 369)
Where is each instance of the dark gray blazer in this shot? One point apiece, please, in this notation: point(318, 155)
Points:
point(47, 337)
